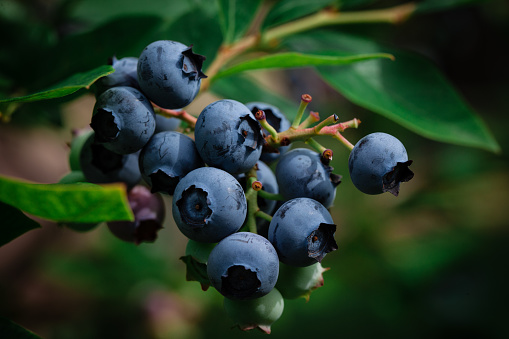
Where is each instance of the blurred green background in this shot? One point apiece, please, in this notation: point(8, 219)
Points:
point(431, 263)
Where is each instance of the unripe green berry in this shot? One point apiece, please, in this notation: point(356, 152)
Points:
point(298, 282)
point(258, 313)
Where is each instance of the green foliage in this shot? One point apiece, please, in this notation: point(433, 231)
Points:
point(67, 202)
point(410, 90)
point(292, 60)
point(12, 330)
point(60, 55)
point(66, 87)
point(14, 222)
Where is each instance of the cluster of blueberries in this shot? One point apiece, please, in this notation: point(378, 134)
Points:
point(207, 174)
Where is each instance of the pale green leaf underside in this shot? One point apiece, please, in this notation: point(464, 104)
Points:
point(66, 87)
point(67, 202)
point(294, 60)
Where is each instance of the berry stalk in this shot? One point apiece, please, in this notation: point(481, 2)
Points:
point(171, 113)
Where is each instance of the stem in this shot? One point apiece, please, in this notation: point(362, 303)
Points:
point(304, 101)
point(310, 120)
point(270, 196)
point(227, 53)
point(344, 141)
point(333, 119)
point(252, 201)
point(316, 145)
point(393, 15)
point(171, 113)
point(263, 215)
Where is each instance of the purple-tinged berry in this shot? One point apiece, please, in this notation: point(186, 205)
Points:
point(125, 74)
point(148, 210)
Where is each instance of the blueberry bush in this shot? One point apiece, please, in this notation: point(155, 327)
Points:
point(197, 142)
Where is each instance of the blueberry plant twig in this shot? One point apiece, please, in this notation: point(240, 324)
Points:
point(171, 113)
point(270, 38)
point(252, 188)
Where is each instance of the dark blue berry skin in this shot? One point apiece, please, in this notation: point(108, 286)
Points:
point(228, 136)
point(302, 231)
point(378, 163)
point(123, 120)
point(170, 74)
point(300, 173)
point(209, 204)
point(125, 74)
point(166, 124)
point(100, 165)
point(148, 210)
point(243, 266)
point(277, 120)
point(166, 159)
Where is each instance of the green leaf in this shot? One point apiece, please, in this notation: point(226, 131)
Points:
point(288, 10)
point(66, 87)
point(293, 59)
point(67, 202)
point(198, 28)
point(11, 330)
point(244, 89)
point(348, 4)
point(235, 16)
point(411, 90)
point(15, 223)
point(439, 5)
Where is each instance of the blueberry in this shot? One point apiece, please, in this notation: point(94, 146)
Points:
point(123, 120)
point(166, 159)
point(258, 313)
point(126, 74)
point(302, 231)
point(100, 165)
point(228, 136)
point(378, 163)
point(164, 124)
point(298, 282)
point(277, 120)
point(170, 74)
point(243, 266)
point(148, 210)
point(300, 173)
point(209, 204)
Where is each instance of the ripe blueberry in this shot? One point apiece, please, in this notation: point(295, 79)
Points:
point(170, 74)
point(300, 173)
point(125, 74)
point(378, 163)
point(209, 204)
point(123, 120)
point(228, 136)
point(302, 231)
point(166, 159)
point(100, 165)
point(243, 266)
